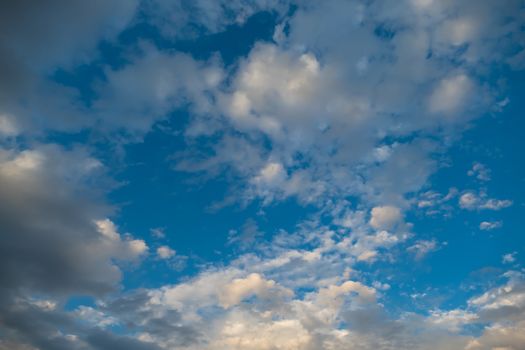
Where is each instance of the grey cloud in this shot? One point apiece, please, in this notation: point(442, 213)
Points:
point(47, 215)
point(183, 19)
point(167, 326)
point(50, 244)
point(153, 84)
point(28, 325)
point(37, 37)
point(247, 236)
point(102, 340)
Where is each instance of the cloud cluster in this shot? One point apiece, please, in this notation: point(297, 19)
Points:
point(55, 242)
point(325, 118)
point(236, 308)
point(37, 39)
point(474, 201)
point(344, 110)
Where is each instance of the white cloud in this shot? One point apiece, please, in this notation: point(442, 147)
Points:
point(452, 320)
point(94, 316)
point(324, 135)
point(423, 247)
point(473, 201)
point(385, 217)
point(165, 252)
point(241, 288)
point(509, 258)
point(490, 225)
point(451, 94)
point(158, 232)
point(152, 85)
point(127, 249)
point(480, 171)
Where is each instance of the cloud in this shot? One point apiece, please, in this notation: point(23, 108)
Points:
point(473, 201)
point(490, 225)
point(48, 221)
point(248, 235)
point(350, 127)
point(433, 203)
point(165, 252)
point(37, 39)
point(178, 19)
point(53, 243)
point(385, 217)
point(151, 85)
point(480, 171)
point(308, 133)
point(509, 258)
point(451, 94)
point(158, 232)
point(241, 288)
point(422, 248)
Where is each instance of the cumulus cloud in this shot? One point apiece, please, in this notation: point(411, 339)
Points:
point(53, 242)
point(474, 201)
point(385, 217)
point(241, 288)
point(165, 252)
point(490, 225)
point(509, 258)
point(47, 207)
point(307, 133)
point(480, 172)
point(153, 84)
point(353, 128)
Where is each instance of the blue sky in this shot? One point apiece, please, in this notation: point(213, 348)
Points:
point(262, 174)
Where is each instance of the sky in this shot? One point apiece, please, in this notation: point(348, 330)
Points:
point(262, 175)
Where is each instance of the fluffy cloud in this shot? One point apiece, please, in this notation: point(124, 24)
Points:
point(241, 288)
point(509, 258)
point(317, 112)
point(53, 242)
point(351, 127)
point(473, 201)
point(480, 171)
point(490, 225)
point(165, 252)
point(385, 217)
point(153, 84)
point(47, 207)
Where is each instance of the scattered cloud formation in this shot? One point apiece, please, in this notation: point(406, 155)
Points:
point(318, 130)
point(480, 172)
point(474, 201)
